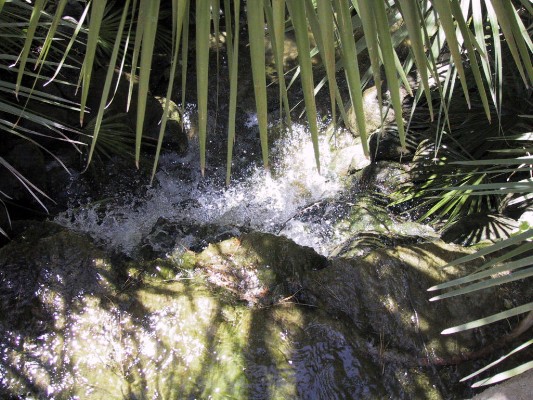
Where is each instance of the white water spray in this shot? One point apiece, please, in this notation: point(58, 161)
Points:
point(257, 199)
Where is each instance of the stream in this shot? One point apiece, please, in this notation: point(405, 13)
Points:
point(286, 284)
point(290, 198)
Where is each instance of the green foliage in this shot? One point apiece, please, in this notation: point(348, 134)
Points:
point(39, 47)
point(470, 166)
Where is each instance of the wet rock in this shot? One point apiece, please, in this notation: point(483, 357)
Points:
point(383, 177)
point(260, 268)
point(348, 155)
point(251, 317)
point(371, 108)
point(168, 236)
point(365, 222)
point(385, 145)
point(69, 332)
point(174, 135)
point(42, 273)
point(384, 294)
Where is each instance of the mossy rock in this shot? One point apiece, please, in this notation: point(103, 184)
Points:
point(85, 328)
point(384, 294)
point(260, 268)
point(171, 338)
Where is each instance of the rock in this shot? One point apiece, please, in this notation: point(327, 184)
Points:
point(365, 222)
point(348, 153)
point(260, 268)
point(371, 109)
point(83, 327)
point(251, 317)
point(384, 295)
point(44, 271)
point(385, 146)
point(167, 237)
point(384, 177)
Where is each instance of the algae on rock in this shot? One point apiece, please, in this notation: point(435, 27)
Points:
point(251, 317)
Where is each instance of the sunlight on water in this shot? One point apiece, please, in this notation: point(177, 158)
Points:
point(257, 199)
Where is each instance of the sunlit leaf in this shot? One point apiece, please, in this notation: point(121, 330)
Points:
point(234, 56)
point(184, 57)
point(108, 82)
point(505, 375)
point(490, 319)
point(444, 10)
point(278, 28)
point(494, 281)
point(179, 9)
point(30, 34)
point(351, 69)
point(492, 364)
point(97, 12)
point(297, 12)
point(474, 66)
point(410, 15)
point(516, 39)
point(203, 26)
point(325, 17)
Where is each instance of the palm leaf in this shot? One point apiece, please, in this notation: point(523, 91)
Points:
point(517, 38)
point(33, 190)
point(203, 22)
point(278, 28)
point(33, 24)
point(411, 18)
point(494, 281)
point(351, 69)
point(505, 375)
point(326, 19)
point(474, 66)
point(108, 81)
point(490, 319)
point(256, 32)
point(492, 364)
point(97, 12)
point(298, 12)
point(179, 8)
point(234, 67)
point(150, 22)
point(185, 56)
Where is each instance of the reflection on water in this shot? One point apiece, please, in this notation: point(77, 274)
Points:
point(184, 344)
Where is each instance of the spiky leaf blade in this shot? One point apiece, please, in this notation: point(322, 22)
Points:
point(150, 23)
point(203, 24)
point(297, 12)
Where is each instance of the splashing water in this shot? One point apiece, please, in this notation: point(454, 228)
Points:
point(257, 199)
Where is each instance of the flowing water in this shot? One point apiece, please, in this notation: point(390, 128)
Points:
point(257, 199)
point(102, 340)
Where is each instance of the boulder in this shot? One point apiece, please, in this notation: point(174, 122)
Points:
point(252, 317)
point(371, 109)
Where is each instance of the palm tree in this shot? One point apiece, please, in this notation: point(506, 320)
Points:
point(451, 43)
